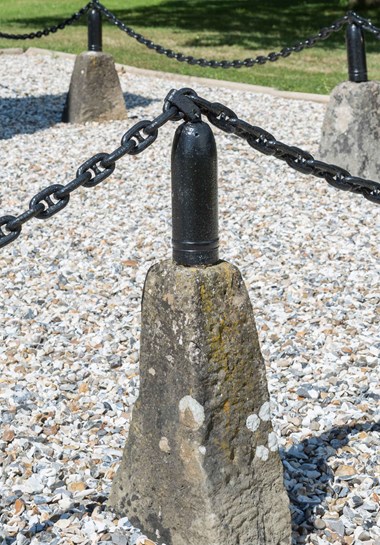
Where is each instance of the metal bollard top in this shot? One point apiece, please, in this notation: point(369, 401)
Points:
point(195, 195)
point(356, 56)
point(94, 30)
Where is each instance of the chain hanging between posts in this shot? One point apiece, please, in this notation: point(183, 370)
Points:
point(182, 104)
point(323, 34)
point(46, 31)
point(225, 119)
point(55, 198)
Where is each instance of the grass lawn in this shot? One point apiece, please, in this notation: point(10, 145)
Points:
point(217, 29)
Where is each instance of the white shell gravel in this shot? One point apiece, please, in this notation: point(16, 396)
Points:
point(70, 310)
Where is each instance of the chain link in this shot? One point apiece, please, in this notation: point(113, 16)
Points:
point(365, 24)
point(183, 104)
point(46, 31)
point(323, 34)
point(225, 119)
point(55, 198)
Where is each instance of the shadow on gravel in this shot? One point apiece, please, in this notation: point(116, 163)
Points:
point(137, 101)
point(27, 115)
point(309, 479)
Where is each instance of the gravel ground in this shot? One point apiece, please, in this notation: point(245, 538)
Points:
point(70, 313)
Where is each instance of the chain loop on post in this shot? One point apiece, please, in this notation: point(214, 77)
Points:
point(296, 158)
point(183, 101)
point(183, 104)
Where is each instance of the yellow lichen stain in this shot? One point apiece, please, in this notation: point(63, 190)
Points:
point(224, 326)
point(205, 299)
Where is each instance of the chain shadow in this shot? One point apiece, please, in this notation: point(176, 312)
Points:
point(28, 115)
point(308, 477)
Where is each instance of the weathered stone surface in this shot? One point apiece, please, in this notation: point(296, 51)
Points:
point(351, 129)
point(201, 465)
point(95, 93)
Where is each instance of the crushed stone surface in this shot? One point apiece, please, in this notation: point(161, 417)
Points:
point(70, 310)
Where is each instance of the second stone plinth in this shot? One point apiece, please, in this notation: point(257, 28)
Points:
point(95, 93)
point(201, 464)
point(351, 129)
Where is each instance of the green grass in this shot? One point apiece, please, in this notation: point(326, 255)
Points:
point(215, 29)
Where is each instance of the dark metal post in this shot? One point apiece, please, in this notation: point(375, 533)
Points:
point(357, 64)
point(94, 30)
point(195, 195)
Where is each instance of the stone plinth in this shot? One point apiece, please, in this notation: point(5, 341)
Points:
point(201, 465)
point(95, 93)
point(351, 129)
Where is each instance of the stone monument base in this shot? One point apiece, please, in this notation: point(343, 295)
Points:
point(201, 464)
point(95, 93)
point(351, 129)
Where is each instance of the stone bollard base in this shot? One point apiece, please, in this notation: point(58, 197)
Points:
point(95, 93)
point(351, 128)
point(201, 465)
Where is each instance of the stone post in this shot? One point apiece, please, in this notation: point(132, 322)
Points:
point(351, 126)
point(201, 464)
point(95, 93)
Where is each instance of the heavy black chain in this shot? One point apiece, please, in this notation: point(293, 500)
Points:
point(264, 142)
point(323, 34)
point(365, 24)
point(55, 198)
point(46, 31)
point(183, 104)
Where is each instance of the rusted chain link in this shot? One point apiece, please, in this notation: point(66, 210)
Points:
point(225, 119)
point(46, 31)
point(323, 34)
